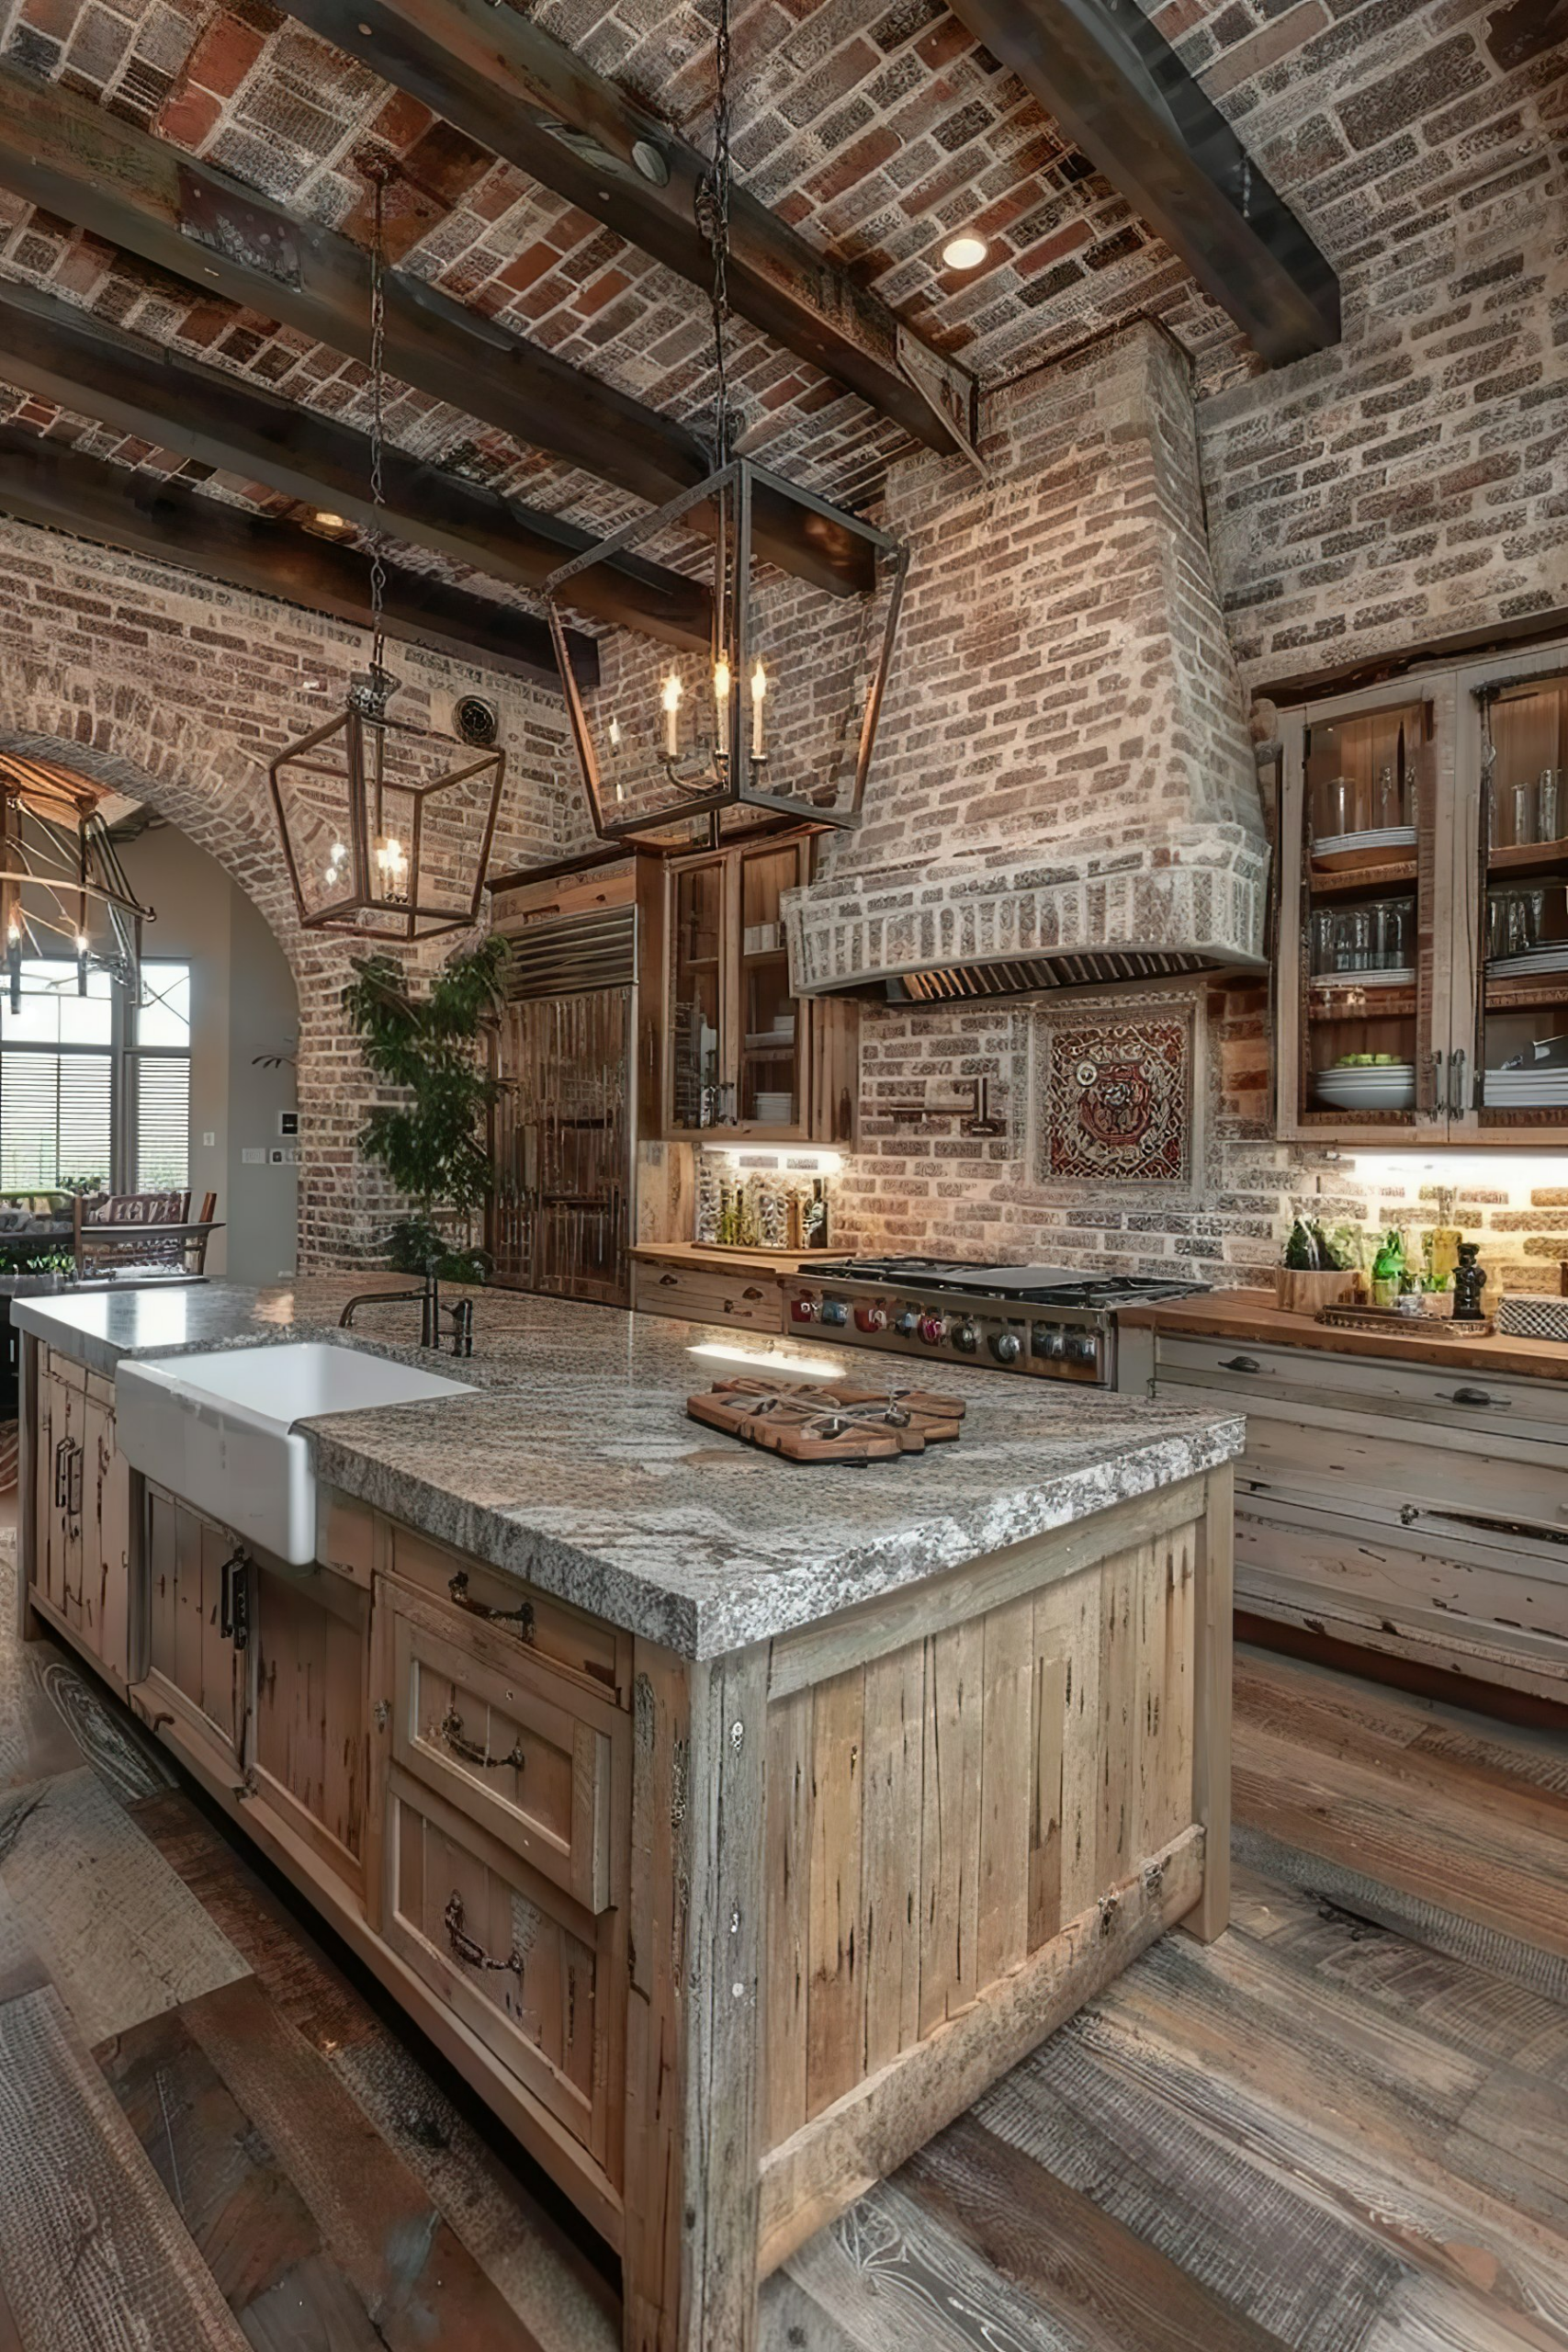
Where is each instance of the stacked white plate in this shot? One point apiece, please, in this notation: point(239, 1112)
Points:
point(1551, 958)
point(1525, 1090)
point(775, 1110)
point(1378, 979)
point(1381, 837)
point(1392, 1088)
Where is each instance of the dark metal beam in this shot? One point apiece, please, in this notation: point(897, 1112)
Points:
point(497, 75)
point(61, 490)
point(77, 160)
point(1117, 88)
point(66, 354)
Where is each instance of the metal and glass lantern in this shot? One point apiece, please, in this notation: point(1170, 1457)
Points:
point(387, 827)
point(63, 893)
point(777, 713)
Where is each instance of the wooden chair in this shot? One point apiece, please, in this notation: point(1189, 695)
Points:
point(151, 1229)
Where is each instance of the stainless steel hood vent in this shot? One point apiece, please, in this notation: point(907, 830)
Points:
point(1025, 977)
point(564, 954)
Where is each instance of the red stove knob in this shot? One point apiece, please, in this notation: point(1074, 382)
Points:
point(933, 1327)
point(803, 1310)
point(871, 1318)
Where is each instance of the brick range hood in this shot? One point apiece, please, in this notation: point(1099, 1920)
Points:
point(1065, 792)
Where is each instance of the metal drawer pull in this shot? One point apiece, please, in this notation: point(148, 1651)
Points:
point(523, 1618)
point(234, 1600)
point(473, 1955)
point(666, 1282)
point(1475, 1396)
point(752, 1293)
point(75, 1464)
point(1240, 1363)
point(61, 1451)
point(450, 1729)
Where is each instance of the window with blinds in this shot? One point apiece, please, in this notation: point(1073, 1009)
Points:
point(94, 1090)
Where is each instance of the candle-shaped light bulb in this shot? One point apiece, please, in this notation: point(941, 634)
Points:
point(672, 701)
point(759, 693)
point(80, 943)
point(615, 734)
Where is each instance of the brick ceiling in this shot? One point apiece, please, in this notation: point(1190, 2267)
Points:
point(876, 128)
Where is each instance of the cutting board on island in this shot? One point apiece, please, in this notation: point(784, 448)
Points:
point(805, 1422)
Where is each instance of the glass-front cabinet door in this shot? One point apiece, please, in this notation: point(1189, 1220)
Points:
point(1518, 950)
point(738, 1043)
point(1364, 840)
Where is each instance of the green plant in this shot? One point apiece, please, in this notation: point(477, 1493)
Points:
point(430, 1145)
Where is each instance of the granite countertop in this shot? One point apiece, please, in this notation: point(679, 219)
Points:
point(576, 1467)
point(1240, 1315)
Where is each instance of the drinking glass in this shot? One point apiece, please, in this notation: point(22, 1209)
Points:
point(1545, 806)
point(1359, 922)
point(1402, 918)
point(1337, 801)
point(1324, 944)
point(1497, 925)
point(1383, 958)
point(1525, 812)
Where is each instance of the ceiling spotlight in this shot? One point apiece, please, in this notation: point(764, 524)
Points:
point(963, 252)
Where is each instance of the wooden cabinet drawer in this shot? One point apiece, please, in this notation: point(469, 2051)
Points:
point(721, 1295)
point(512, 1745)
point(525, 1969)
point(553, 1631)
point(1245, 1369)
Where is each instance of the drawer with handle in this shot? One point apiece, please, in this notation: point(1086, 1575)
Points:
point(557, 1634)
point(519, 1963)
point(1460, 1399)
point(510, 1744)
point(710, 1294)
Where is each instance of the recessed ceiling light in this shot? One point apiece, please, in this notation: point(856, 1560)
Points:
point(963, 252)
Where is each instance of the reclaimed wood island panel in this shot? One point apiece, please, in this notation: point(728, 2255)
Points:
point(732, 1853)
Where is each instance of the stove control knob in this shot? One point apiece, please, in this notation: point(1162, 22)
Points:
point(1006, 1346)
point(803, 1310)
point(907, 1322)
point(934, 1329)
point(834, 1311)
point(967, 1334)
point(1048, 1339)
point(1084, 1350)
point(871, 1318)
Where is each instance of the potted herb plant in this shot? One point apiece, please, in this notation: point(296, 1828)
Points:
point(430, 1145)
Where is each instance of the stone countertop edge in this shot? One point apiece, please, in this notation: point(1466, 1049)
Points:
point(777, 1600)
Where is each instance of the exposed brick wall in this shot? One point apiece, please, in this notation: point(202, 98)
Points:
point(177, 691)
point(1411, 483)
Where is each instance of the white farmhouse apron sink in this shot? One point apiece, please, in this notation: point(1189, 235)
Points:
point(218, 1429)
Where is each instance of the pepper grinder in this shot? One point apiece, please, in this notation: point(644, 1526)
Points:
point(1470, 1281)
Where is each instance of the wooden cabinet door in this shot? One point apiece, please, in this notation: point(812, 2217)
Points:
point(105, 1586)
point(194, 1662)
point(63, 1492)
point(309, 1745)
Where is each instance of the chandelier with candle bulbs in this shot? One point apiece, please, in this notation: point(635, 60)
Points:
point(386, 826)
point(63, 893)
point(771, 709)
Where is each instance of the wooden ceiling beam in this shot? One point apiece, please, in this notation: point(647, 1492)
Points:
point(60, 489)
point(495, 75)
point(70, 155)
point(1117, 88)
point(222, 420)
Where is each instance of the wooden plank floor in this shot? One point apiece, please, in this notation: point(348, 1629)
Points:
point(1343, 2128)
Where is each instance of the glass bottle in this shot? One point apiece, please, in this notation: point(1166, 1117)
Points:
point(1385, 808)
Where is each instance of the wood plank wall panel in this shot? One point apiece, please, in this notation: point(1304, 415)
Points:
point(938, 1813)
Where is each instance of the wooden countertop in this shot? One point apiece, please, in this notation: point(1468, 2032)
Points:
point(700, 1258)
point(1252, 1315)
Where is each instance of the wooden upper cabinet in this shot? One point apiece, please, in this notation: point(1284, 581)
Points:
point(727, 1050)
point(1423, 910)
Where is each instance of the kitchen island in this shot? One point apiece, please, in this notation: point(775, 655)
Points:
point(730, 1824)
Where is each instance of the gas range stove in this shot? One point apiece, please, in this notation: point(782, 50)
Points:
point(1055, 1322)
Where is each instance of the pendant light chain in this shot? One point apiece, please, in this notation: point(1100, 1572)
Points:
point(377, 398)
point(713, 219)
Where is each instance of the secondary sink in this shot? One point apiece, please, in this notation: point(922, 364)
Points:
point(218, 1429)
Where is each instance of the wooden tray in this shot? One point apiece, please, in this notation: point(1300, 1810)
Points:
point(1389, 1319)
point(805, 1422)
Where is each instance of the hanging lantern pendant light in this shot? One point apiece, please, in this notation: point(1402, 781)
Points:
point(386, 827)
point(664, 752)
